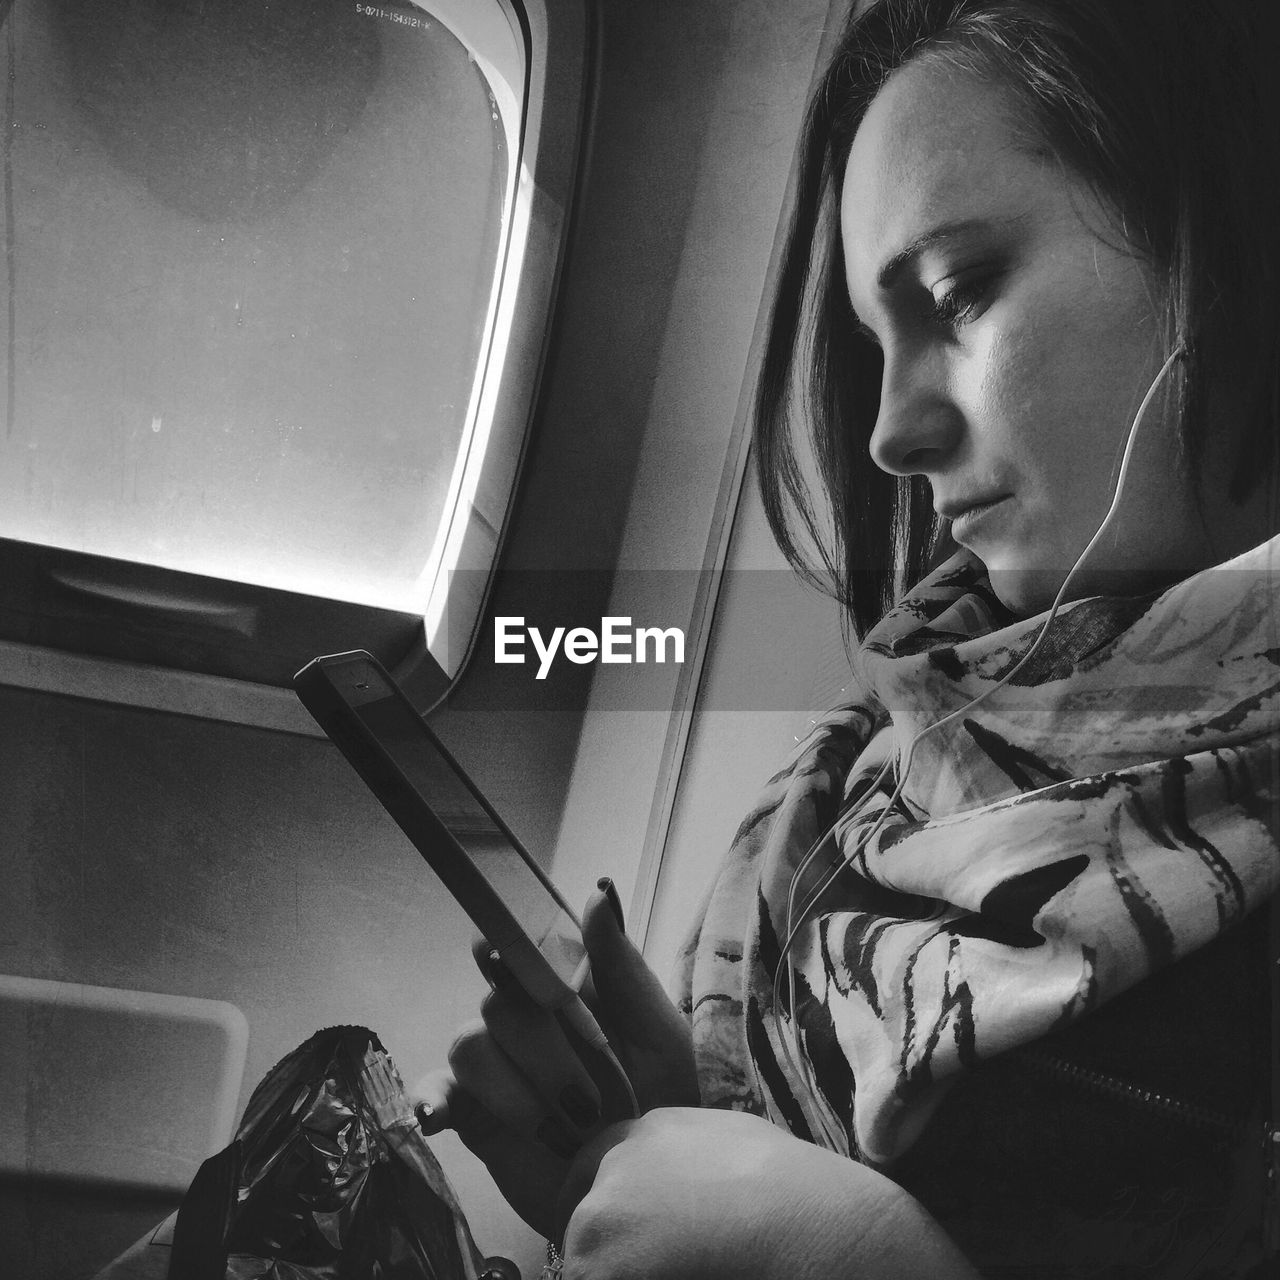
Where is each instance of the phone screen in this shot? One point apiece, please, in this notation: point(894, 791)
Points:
point(406, 741)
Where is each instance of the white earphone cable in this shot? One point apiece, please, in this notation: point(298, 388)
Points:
point(794, 923)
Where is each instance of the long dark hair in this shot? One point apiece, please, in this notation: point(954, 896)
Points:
point(1160, 106)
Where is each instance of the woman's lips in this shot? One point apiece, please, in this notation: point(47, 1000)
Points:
point(965, 521)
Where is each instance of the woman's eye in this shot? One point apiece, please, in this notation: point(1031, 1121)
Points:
point(958, 302)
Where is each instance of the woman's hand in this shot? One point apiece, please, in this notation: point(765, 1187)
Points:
point(525, 1093)
point(719, 1195)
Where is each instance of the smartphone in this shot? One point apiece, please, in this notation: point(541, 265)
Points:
point(508, 896)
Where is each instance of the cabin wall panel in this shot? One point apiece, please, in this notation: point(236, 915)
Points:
point(698, 395)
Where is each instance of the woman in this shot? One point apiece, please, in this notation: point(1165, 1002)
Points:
point(1028, 1026)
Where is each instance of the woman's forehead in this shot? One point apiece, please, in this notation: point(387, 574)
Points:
point(937, 145)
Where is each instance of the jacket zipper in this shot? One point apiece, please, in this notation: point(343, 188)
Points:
point(1203, 1118)
point(1271, 1219)
point(1125, 1091)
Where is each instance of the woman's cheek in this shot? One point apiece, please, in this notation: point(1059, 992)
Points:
point(1043, 424)
point(1022, 380)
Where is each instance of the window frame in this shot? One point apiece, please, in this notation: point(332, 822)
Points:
point(93, 626)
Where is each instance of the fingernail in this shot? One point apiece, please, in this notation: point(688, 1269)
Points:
point(551, 1133)
point(610, 891)
point(431, 1120)
point(496, 973)
point(579, 1106)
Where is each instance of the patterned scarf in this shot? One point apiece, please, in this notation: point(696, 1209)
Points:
point(1111, 809)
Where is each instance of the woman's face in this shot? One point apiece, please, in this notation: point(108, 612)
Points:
point(1020, 334)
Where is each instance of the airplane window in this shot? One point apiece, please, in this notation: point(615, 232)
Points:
point(251, 251)
point(253, 265)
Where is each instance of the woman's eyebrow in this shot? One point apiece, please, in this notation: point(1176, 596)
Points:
point(909, 253)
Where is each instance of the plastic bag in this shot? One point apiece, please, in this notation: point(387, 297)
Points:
point(329, 1178)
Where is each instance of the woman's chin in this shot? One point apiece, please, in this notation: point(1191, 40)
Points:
point(1029, 591)
point(1024, 591)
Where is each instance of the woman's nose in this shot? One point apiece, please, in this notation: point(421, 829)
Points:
point(919, 424)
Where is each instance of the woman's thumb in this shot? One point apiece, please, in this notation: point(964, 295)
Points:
point(615, 961)
point(628, 996)
point(634, 1009)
